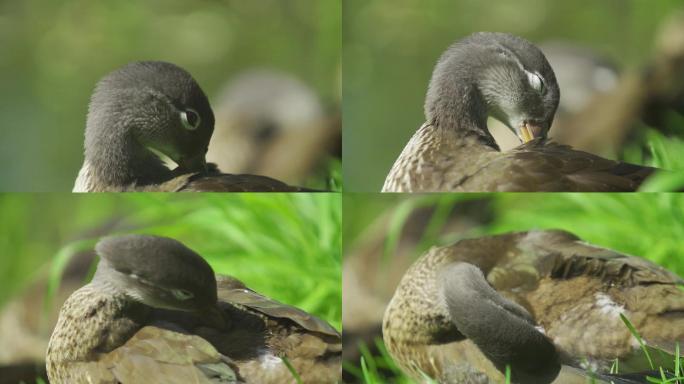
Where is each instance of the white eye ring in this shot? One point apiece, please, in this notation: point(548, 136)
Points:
point(535, 81)
point(190, 119)
point(182, 294)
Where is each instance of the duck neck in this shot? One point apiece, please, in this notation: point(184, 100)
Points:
point(455, 103)
point(415, 323)
point(502, 330)
point(418, 319)
point(79, 338)
point(115, 160)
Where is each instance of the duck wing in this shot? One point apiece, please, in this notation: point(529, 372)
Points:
point(225, 182)
point(233, 291)
point(578, 293)
point(543, 165)
point(312, 347)
point(157, 355)
point(550, 287)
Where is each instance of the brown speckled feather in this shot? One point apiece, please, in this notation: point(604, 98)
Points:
point(232, 290)
point(506, 77)
point(154, 354)
point(310, 344)
point(434, 161)
point(573, 291)
point(141, 345)
point(100, 338)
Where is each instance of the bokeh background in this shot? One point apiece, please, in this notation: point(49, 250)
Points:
point(285, 246)
point(385, 233)
point(52, 54)
point(391, 46)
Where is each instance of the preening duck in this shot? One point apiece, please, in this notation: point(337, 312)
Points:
point(543, 302)
point(507, 77)
point(155, 313)
point(151, 107)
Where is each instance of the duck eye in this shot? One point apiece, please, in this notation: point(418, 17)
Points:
point(536, 82)
point(190, 119)
point(182, 294)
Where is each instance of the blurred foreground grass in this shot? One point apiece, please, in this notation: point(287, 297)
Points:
point(286, 246)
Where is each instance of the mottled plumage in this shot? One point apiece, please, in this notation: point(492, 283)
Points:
point(155, 313)
point(534, 300)
point(507, 77)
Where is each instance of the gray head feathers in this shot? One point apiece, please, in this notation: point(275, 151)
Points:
point(142, 106)
point(159, 269)
point(494, 74)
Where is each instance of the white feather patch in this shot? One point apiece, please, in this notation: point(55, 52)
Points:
point(269, 361)
point(607, 306)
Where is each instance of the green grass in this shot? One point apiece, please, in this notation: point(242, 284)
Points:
point(372, 367)
point(646, 224)
point(286, 246)
point(642, 344)
point(34, 226)
point(328, 177)
point(660, 151)
point(292, 370)
point(334, 180)
point(369, 373)
point(672, 374)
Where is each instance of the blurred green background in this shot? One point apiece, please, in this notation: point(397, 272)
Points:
point(286, 246)
point(52, 54)
point(391, 46)
point(643, 224)
point(384, 233)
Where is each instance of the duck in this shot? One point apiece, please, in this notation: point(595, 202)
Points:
point(155, 312)
point(269, 122)
point(147, 111)
point(508, 78)
point(543, 302)
point(369, 281)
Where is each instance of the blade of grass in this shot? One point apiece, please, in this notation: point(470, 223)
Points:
point(364, 370)
point(636, 335)
point(60, 262)
point(294, 373)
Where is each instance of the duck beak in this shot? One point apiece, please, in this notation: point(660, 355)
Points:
point(529, 132)
point(193, 164)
